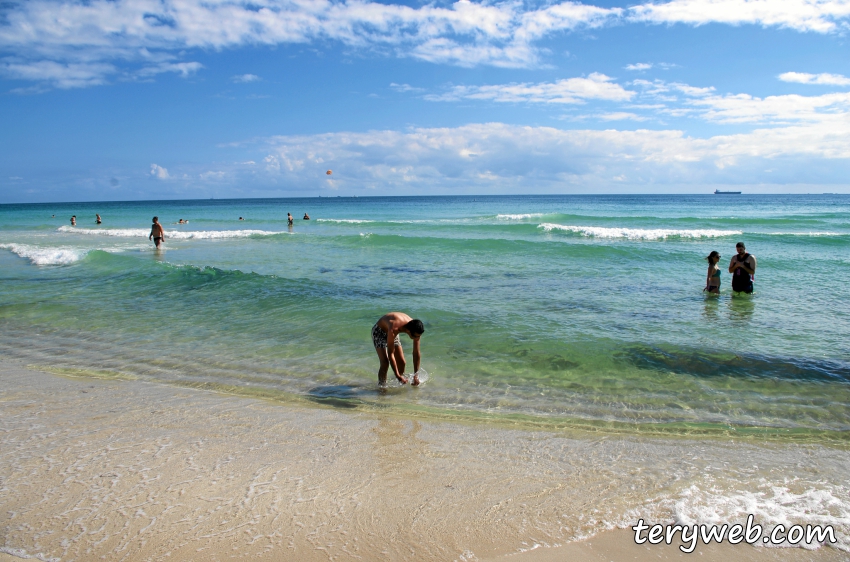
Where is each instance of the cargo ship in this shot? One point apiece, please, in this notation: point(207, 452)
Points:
point(718, 192)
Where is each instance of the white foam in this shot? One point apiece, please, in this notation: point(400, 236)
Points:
point(169, 234)
point(638, 233)
point(46, 256)
point(349, 221)
point(519, 217)
point(21, 553)
point(770, 504)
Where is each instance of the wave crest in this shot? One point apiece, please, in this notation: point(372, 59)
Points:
point(519, 217)
point(346, 221)
point(638, 233)
point(169, 234)
point(46, 256)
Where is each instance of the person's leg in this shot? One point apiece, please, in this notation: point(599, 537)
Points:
point(385, 365)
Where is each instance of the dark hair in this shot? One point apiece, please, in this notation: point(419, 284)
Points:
point(740, 245)
point(155, 219)
point(415, 327)
point(714, 253)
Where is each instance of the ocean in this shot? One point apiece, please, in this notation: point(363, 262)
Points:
point(549, 313)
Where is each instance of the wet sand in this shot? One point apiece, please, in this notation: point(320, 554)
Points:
point(129, 470)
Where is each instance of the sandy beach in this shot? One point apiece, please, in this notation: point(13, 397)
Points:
point(130, 470)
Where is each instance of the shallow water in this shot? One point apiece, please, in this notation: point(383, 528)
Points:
point(567, 310)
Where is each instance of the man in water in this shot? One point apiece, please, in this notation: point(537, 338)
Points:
point(306, 217)
point(157, 232)
point(385, 334)
point(97, 219)
point(742, 267)
point(74, 220)
point(289, 219)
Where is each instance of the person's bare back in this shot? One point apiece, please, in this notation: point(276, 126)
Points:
point(385, 334)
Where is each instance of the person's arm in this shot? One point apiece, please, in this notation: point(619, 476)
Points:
point(150, 236)
point(753, 272)
point(732, 265)
point(416, 355)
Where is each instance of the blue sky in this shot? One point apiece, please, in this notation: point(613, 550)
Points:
point(162, 99)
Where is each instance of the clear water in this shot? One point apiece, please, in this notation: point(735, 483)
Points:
point(576, 310)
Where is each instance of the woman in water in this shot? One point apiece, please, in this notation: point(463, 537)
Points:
point(712, 279)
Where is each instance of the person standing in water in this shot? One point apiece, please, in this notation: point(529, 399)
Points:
point(385, 334)
point(743, 268)
point(74, 220)
point(157, 232)
point(289, 219)
point(97, 219)
point(712, 279)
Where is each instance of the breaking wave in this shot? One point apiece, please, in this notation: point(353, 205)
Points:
point(638, 233)
point(172, 234)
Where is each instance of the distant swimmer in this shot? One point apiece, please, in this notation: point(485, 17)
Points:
point(306, 217)
point(53, 217)
point(289, 218)
point(181, 221)
point(74, 220)
point(240, 218)
point(743, 270)
point(712, 278)
point(97, 219)
point(385, 334)
point(157, 232)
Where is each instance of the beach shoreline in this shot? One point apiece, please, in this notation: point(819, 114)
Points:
point(134, 470)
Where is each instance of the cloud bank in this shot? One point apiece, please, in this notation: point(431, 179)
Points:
point(507, 157)
point(80, 43)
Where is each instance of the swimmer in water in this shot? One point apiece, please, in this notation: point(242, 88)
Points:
point(306, 217)
point(97, 219)
point(712, 279)
point(289, 219)
point(74, 220)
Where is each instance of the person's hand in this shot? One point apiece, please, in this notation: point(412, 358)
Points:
point(402, 379)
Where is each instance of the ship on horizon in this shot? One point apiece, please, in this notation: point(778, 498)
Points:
point(718, 192)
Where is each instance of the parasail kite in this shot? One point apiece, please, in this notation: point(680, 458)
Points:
point(329, 172)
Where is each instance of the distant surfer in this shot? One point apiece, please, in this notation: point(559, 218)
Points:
point(97, 218)
point(74, 220)
point(289, 219)
point(712, 278)
point(743, 269)
point(306, 217)
point(157, 232)
point(385, 334)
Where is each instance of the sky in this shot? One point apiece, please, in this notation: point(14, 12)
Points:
point(105, 100)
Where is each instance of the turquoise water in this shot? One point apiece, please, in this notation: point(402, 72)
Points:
point(551, 309)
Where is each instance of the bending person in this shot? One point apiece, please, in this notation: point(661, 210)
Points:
point(385, 334)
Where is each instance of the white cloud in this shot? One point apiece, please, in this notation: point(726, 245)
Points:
point(639, 66)
point(76, 43)
point(569, 91)
point(244, 78)
point(620, 116)
point(405, 88)
point(159, 172)
point(496, 155)
point(212, 175)
point(743, 108)
point(820, 79)
point(58, 74)
point(802, 15)
point(184, 69)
